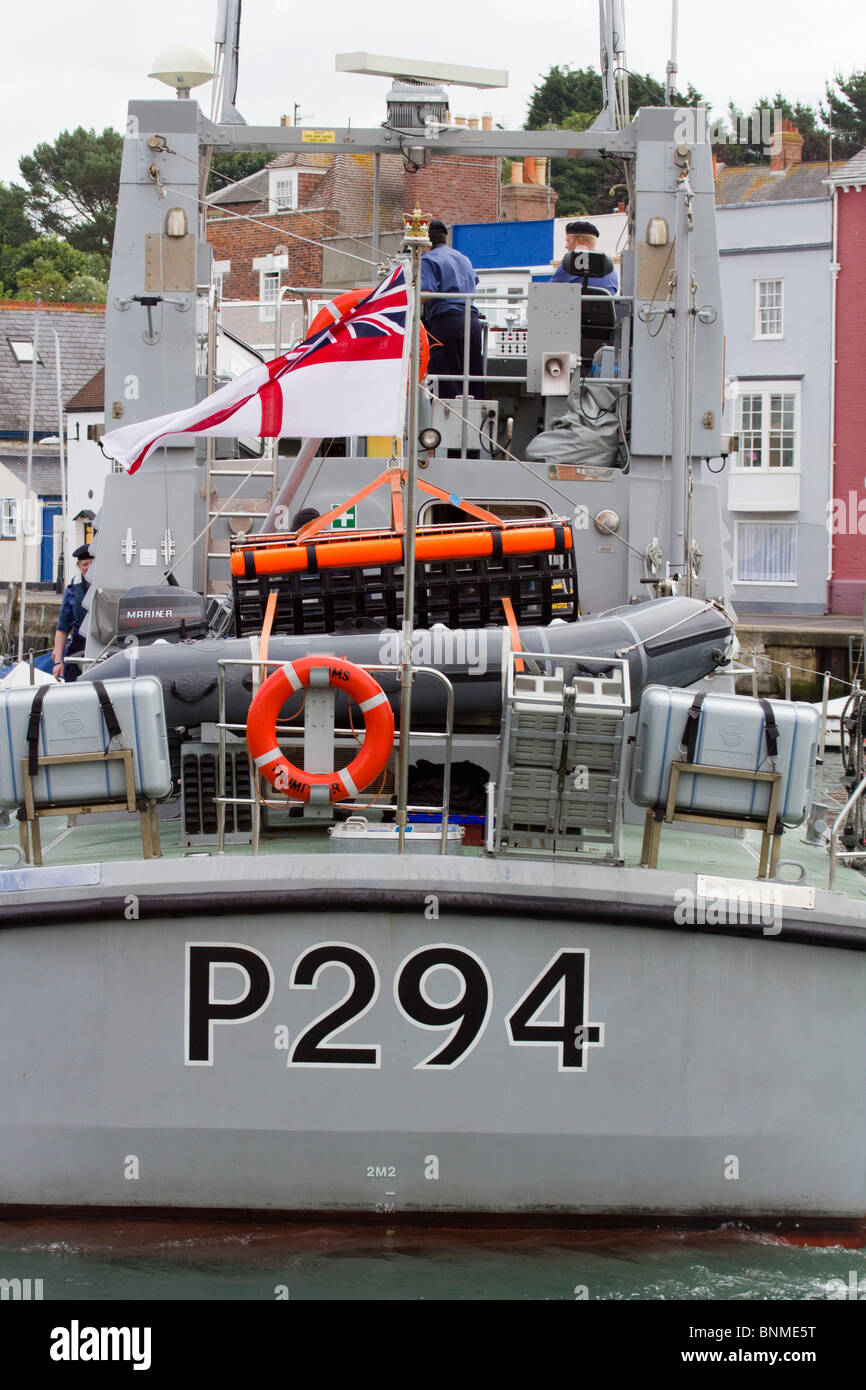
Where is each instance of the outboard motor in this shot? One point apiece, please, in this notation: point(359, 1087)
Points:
point(164, 611)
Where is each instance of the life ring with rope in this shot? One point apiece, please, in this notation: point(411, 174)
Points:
point(340, 305)
point(264, 712)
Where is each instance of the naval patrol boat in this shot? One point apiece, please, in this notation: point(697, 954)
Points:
point(640, 993)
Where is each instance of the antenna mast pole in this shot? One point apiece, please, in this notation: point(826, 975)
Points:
point(27, 522)
point(607, 119)
point(671, 69)
point(416, 241)
point(681, 420)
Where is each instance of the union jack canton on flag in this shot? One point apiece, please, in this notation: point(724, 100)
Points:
point(349, 378)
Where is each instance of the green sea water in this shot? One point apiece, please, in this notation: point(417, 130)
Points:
point(139, 1260)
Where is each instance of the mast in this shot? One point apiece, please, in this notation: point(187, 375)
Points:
point(607, 117)
point(63, 563)
point(227, 39)
point(681, 424)
point(417, 240)
point(671, 69)
point(26, 530)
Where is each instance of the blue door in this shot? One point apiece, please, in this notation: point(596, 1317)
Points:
point(50, 509)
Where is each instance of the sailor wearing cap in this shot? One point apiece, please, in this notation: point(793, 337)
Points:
point(71, 618)
point(443, 269)
point(579, 236)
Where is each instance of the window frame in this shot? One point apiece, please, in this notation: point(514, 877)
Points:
point(286, 177)
point(767, 388)
point(766, 583)
point(769, 280)
point(26, 359)
point(9, 518)
point(268, 307)
point(219, 271)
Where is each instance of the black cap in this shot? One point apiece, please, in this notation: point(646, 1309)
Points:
point(581, 229)
point(437, 226)
point(305, 515)
point(82, 553)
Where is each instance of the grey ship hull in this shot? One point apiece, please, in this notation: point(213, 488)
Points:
point(718, 1072)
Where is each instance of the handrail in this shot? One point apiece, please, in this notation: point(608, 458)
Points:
point(838, 824)
point(255, 801)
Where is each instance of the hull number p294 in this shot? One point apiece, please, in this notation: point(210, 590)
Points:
point(564, 980)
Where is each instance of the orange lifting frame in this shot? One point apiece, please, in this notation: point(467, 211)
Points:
point(387, 549)
point(394, 478)
point(334, 552)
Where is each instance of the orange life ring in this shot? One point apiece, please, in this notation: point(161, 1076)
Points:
point(341, 303)
point(264, 713)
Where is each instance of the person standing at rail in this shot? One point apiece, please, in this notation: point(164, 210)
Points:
point(444, 269)
point(72, 613)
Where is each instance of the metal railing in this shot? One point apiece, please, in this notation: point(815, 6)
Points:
point(283, 732)
point(838, 826)
point(481, 301)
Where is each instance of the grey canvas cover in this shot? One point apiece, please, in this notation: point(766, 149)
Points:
point(587, 434)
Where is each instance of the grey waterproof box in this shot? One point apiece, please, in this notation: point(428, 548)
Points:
point(724, 731)
point(72, 721)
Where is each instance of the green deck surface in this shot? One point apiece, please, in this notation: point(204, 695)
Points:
point(682, 851)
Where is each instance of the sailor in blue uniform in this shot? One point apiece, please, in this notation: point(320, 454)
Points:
point(72, 614)
point(582, 236)
point(443, 269)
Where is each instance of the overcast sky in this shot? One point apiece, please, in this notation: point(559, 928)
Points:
point(68, 65)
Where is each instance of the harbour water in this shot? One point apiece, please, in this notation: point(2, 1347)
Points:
point(139, 1260)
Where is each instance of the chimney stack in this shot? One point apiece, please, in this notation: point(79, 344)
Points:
point(786, 148)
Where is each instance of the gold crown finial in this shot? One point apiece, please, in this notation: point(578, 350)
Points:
point(416, 227)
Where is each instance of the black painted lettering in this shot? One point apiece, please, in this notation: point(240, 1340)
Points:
point(204, 1006)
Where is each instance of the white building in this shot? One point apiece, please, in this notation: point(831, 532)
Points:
point(775, 243)
point(30, 526)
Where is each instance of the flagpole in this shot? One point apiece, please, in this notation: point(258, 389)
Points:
point(25, 530)
point(417, 241)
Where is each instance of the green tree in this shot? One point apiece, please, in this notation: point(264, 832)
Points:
point(85, 289)
point(44, 268)
point(15, 225)
point(41, 280)
point(72, 187)
point(846, 111)
point(562, 93)
point(571, 99)
point(228, 167)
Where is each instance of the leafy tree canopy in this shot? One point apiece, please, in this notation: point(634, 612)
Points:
point(228, 167)
point(49, 268)
point(570, 99)
point(846, 109)
point(72, 187)
point(85, 289)
point(15, 225)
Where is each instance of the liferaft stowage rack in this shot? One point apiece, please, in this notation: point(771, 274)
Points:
point(37, 767)
point(325, 583)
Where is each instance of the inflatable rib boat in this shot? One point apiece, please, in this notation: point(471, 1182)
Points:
point(669, 641)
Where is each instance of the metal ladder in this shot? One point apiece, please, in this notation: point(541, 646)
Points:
point(221, 515)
